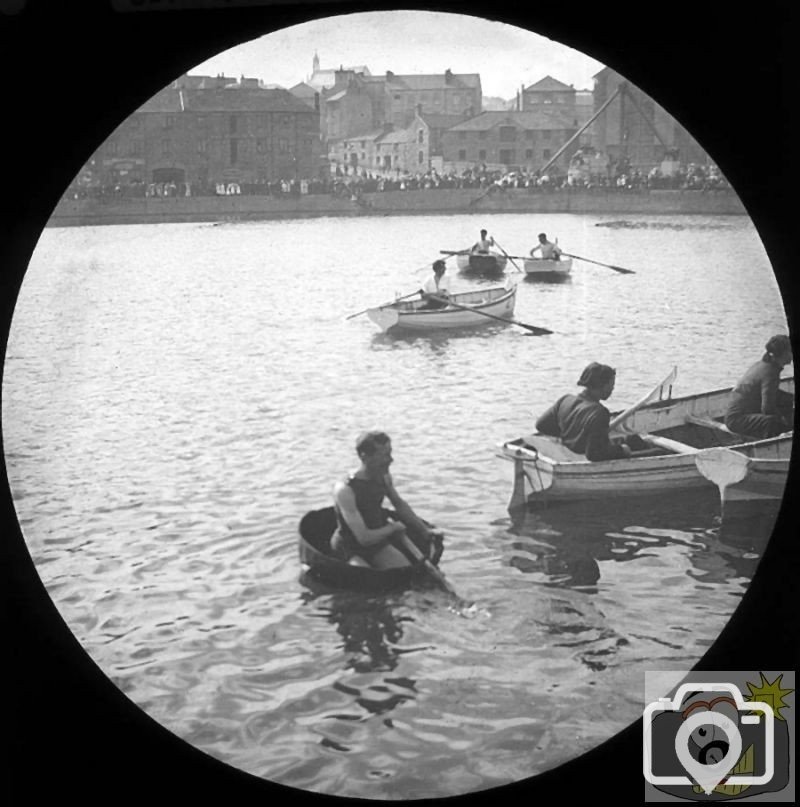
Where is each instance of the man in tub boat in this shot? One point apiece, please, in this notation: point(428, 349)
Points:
point(758, 408)
point(582, 422)
point(368, 534)
point(436, 287)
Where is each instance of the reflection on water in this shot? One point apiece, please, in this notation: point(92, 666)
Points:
point(170, 413)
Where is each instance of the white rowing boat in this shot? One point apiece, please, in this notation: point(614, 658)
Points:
point(482, 306)
point(547, 268)
point(749, 476)
point(482, 263)
point(676, 429)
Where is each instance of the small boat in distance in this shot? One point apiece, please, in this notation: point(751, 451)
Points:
point(547, 269)
point(545, 471)
point(472, 308)
point(315, 531)
point(481, 263)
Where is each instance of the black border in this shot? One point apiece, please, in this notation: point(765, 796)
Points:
point(71, 71)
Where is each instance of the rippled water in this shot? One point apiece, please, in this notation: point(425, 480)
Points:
point(177, 396)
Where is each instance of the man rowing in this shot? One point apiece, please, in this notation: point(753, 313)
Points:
point(548, 250)
point(582, 422)
point(435, 287)
point(368, 534)
point(483, 245)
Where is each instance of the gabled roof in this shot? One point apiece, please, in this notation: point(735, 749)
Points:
point(524, 120)
point(550, 84)
point(433, 81)
point(372, 134)
point(302, 89)
point(397, 136)
point(441, 120)
point(247, 99)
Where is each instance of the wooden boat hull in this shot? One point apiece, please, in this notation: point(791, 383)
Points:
point(482, 264)
point(545, 471)
point(754, 474)
point(314, 534)
point(547, 270)
point(408, 316)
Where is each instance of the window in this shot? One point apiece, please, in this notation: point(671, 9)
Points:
point(529, 134)
point(232, 124)
point(508, 134)
point(421, 136)
point(462, 135)
point(202, 146)
point(528, 154)
point(169, 121)
point(546, 154)
point(482, 154)
point(234, 151)
point(363, 155)
point(508, 156)
point(421, 157)
point(462, 154)
point(111, 148)
point(201, 120)
point(261, 145)
point(482, 135)
point(547, 134)
point(166, 146)
point(283, 145)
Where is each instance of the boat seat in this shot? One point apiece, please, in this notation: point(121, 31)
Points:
point(710, 423)
point(670, 445)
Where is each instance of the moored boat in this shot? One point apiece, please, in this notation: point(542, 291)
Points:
point(546, 471)
point(481, 263)
point(749, 476)
point(477, 307)
point(547, 269)
point(316, 529)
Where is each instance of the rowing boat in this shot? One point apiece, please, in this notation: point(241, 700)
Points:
point(747, 477)
point(481, 306)
point(317, 560)
point(481, 263)
point(547, 269)
point(676, 429)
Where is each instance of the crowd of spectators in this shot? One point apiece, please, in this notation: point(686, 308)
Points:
point(621, 179)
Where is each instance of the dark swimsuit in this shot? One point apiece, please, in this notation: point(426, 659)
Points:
point(369, 495)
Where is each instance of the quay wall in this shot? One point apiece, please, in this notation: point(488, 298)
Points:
point(412, 202)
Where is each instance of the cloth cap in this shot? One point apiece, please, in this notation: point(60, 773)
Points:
point(596, 374)
point(779, 345)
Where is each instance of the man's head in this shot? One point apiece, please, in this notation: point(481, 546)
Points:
point(780, 349)
point(439, 267)
point(599, 380)
point(484, 233)
point(542, 238)
point(374, 449)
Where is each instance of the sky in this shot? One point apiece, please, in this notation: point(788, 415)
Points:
point(408, 42)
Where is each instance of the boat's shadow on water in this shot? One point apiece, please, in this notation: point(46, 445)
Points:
point(437, 340)
point(566, 545)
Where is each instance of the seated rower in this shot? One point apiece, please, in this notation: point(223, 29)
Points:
point(368, 534)
point(550, 251)
point(757, 407)
point(436, 287)
point(483, 245)
point(582, 422)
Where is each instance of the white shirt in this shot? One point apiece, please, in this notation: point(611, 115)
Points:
point(432, 285)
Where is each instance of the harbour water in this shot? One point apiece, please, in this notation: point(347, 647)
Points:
point(177, 396)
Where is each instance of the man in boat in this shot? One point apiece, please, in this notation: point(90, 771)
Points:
point(550, 251)
point(369, 534)
point(582, 422)
point(757, 407)
point(435, 287)
point(483, 245)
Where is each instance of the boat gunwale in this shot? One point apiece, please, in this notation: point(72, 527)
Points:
point(509, 293)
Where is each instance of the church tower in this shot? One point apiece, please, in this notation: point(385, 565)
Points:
point(315, 64)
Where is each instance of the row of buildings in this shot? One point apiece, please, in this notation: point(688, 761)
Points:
point(203, 131)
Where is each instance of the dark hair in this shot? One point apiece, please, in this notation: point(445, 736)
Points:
point(543, 235)
point(439, 265)
point(483, 232)
point(367, 442)
point(778, 345)
point(595, 374)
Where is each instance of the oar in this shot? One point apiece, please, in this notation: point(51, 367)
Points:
point(619, 269)
point(534, 329)
point(413, 550)
point(656, 392)
point(383, 305)
point(507, 256)
point(454, 251)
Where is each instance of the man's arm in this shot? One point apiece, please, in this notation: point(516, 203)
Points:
point(769, 394)
point(547, 422)
point(598, 445)
point(535, 249)
point(366, 536)
point(404, 511)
